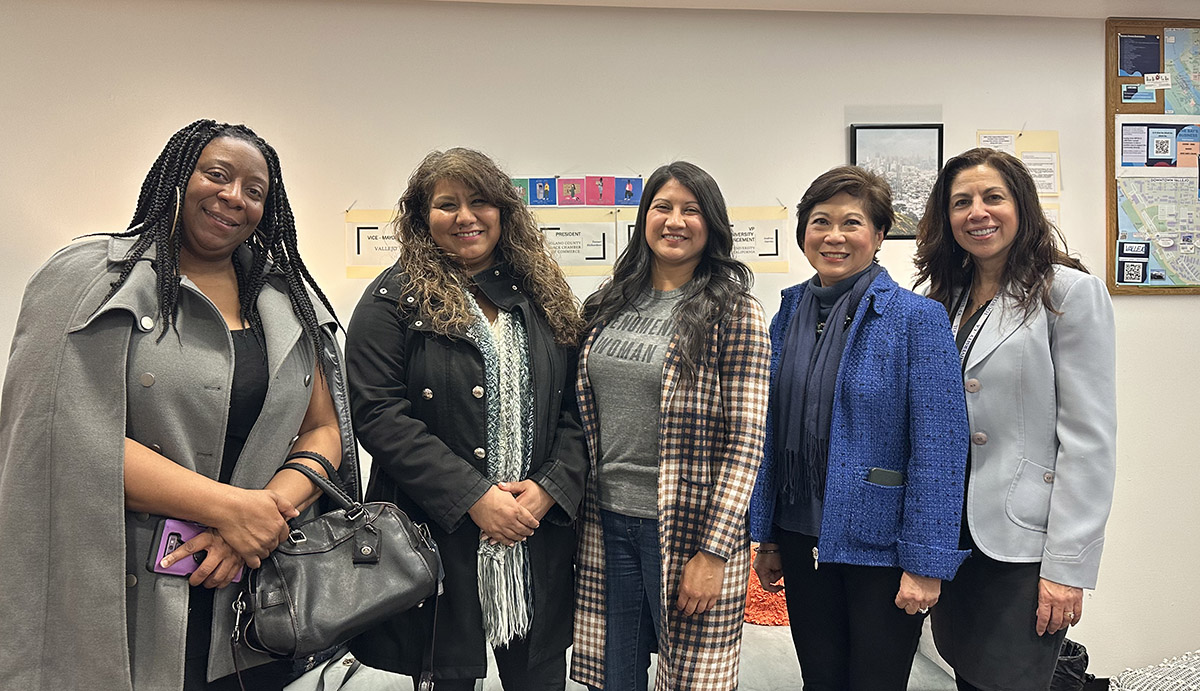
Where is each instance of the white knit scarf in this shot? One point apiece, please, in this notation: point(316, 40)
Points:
point(505, 595)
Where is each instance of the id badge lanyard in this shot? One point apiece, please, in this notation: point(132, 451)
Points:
point(962, 308)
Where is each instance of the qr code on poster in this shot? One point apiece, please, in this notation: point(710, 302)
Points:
point(1133, 272)
point(1162, 147)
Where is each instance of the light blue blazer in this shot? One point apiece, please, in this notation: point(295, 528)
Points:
point(1041, 405)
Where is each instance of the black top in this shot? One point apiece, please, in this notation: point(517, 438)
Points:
point(245, 398)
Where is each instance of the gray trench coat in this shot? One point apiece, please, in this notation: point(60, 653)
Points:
point(80, 609)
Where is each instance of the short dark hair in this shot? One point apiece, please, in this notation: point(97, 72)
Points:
point(870, 188)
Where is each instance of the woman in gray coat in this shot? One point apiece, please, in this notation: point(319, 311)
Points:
point(166, 371)
point(1036, 341)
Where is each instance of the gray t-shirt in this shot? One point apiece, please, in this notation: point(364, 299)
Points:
point(625, 368)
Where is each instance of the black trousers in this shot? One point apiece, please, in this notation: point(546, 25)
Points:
point(512, 663)
point(849, 633)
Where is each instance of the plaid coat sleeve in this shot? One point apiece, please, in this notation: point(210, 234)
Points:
point(743, 363)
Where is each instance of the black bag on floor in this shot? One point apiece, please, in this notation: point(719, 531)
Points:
point(1070, 674)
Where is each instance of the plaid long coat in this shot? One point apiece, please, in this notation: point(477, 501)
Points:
point(710, 445)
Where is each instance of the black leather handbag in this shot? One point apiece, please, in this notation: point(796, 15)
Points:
point(335, 576)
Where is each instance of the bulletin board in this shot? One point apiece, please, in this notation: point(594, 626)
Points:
point(1152, 115)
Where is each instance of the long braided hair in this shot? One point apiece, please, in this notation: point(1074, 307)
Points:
point(272, 245)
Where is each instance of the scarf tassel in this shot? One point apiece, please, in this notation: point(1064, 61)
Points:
point(504, 592)
point(797, 478)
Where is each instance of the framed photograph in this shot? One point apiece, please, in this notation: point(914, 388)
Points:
point(909, 157)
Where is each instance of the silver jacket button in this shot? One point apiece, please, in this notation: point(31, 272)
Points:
point(480, 453)
point(146, 380)
point(383, 291)
point(1048, 477)
point(418, 323)
point(427, 394)
point(146, 323)
point(477, 392)
point(130, 580)
point(973, 386)
point(979, 439)
point(307, 379)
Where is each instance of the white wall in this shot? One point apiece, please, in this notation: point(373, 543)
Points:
point(352, 94)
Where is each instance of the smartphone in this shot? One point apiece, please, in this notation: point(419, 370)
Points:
point(170, 534)
point(885, 477)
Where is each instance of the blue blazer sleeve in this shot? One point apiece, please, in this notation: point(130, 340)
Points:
point(928, 540)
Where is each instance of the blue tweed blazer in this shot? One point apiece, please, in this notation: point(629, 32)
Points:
point(899, 404)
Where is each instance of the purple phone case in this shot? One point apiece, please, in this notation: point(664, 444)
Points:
point(171, 533)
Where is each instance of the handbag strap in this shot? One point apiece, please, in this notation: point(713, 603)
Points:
point(331, 490)
point(326, 465)
point(425, 683)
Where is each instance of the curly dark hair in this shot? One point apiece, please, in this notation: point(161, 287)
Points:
point(272, 245)
point(439, 282)
point(718, 288)
point(1037, 247)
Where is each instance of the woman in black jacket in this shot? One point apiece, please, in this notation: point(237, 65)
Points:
point(459, 359)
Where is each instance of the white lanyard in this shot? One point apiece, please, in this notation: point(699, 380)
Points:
point(962, 308)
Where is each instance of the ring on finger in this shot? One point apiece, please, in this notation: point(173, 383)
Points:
point(1070, 615)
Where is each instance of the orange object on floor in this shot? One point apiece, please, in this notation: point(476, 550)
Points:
point(763, 608)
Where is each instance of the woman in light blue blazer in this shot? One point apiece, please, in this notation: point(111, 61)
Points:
point(1036, 339)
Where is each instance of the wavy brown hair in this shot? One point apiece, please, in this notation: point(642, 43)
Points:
point(1037, 247)
point(436, 278)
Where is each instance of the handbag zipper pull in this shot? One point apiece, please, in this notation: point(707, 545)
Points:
point(816, 564)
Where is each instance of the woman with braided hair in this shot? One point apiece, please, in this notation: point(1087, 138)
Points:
point(165, 371)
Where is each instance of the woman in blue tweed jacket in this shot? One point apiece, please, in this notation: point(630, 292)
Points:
point(859, 495)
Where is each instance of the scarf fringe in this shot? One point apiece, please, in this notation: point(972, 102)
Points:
point(502, 573)
point(799, 478)
point(504, 592)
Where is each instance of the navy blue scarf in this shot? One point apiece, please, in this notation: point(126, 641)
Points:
point(806, 383)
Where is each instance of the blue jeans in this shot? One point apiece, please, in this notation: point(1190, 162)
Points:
point(632, 572)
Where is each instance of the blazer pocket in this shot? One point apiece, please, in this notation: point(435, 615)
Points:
point(1028, 503)
point(876, 519)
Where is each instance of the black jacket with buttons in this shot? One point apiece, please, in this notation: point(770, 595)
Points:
point(420, 411)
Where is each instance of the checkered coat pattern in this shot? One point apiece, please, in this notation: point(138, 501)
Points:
point(710, 446)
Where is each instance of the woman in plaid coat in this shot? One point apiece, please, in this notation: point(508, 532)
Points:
point(672, 388)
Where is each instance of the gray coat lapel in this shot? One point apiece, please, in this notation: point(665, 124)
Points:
point(1006, 318)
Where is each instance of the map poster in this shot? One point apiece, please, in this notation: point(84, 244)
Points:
point(1181, 60)
point(1158, 201)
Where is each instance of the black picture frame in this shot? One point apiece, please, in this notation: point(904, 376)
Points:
point(909, 156)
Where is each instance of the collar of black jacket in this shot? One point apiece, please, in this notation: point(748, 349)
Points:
point(497, 282)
